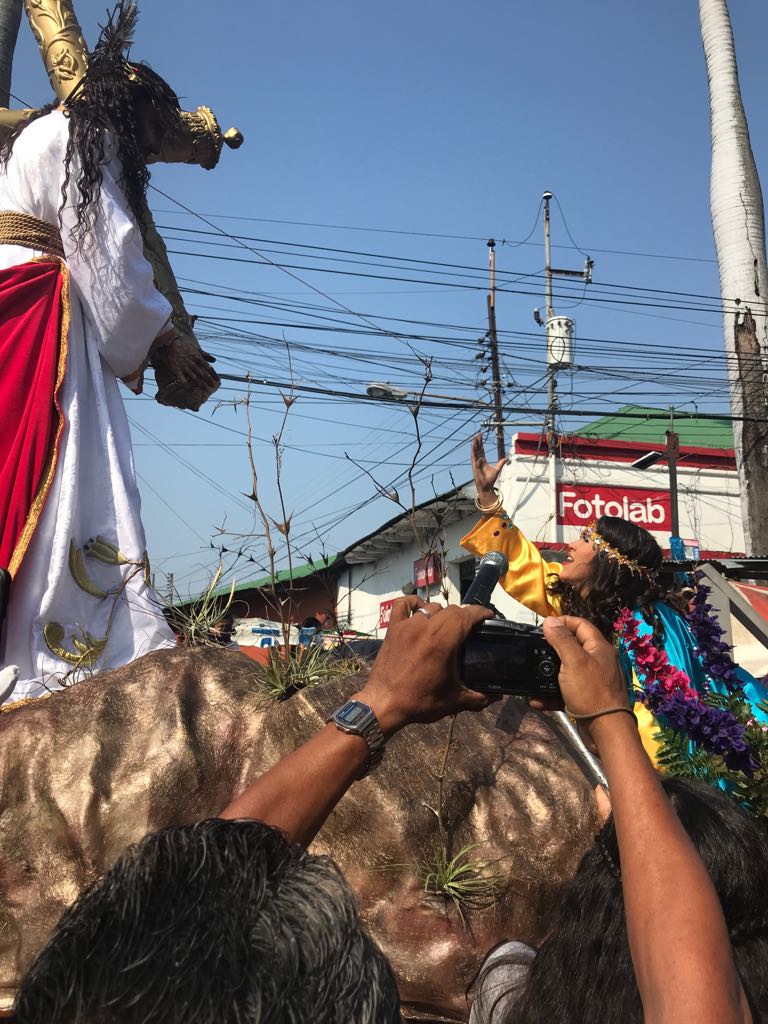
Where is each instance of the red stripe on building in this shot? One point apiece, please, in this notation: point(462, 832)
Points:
point(599, 449)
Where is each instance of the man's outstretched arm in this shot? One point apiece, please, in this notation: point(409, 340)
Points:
point(414, 679)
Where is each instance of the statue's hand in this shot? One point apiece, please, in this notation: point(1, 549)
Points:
point(184, 376)
point(187, 362)
point(484, 473)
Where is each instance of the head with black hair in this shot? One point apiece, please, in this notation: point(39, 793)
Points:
point(119, 107)
point(584, 968)
point(220, 922)
point(612, 566)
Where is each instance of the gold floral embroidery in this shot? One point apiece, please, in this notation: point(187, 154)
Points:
point(80, 573)
point(87, 651)
point(103, 551)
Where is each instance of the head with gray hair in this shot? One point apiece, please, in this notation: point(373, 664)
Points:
point(220, 921)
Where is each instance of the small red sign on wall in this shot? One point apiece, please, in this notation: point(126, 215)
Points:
point(581, 504)
point(426, 571)
point(385, 610)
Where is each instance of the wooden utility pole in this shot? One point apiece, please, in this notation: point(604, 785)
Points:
point(10, 19)
point(501, 448)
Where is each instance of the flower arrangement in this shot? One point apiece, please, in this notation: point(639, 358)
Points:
point(714, 652)
point(668, 694)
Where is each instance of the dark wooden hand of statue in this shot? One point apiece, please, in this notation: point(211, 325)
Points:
point(183, 373)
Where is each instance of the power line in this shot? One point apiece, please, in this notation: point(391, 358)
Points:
point(477, 271)
point(467, 238)
point(266, 259)
point(435, 404)
point(288, 268)
point(475, 329)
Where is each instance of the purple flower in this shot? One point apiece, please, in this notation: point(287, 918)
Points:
point(716, 730)
point(714, 653)
point(667, 692)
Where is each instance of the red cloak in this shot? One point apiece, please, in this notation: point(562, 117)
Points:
point(34, 326)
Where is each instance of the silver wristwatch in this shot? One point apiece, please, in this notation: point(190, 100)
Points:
point(358, 719)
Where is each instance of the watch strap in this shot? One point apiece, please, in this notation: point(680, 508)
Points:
point(369, 729)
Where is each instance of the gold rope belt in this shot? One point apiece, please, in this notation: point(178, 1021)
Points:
point(22, 229)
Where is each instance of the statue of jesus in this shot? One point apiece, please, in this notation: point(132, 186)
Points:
point(79, 312)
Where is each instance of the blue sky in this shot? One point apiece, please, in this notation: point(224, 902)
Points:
point(439, 125)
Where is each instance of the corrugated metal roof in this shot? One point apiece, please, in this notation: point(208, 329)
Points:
point(693, 430)
point(299, 572)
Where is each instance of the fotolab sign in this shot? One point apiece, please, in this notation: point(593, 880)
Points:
point(581, 504)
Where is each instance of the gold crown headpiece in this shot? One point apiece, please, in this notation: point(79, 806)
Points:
point(599, 543)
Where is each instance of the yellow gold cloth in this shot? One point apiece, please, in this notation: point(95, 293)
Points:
point(528, 574)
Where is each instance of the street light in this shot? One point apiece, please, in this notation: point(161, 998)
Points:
point(382, 389)
point(646, 461)
point(672, 454)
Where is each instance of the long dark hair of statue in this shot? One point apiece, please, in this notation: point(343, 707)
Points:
point(610, 585)
point(110, 104)
point(105, 105)
point(583, 971)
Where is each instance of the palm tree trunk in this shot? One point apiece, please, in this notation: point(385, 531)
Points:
point(10, 19)
point(738, 222)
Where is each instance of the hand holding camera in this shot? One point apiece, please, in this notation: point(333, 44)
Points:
point(590, 676)
point(505, 657)
point(416, 676)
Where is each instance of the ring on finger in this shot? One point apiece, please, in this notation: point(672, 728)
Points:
point(425, 612)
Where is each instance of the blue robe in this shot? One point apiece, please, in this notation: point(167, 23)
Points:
point(680, 647)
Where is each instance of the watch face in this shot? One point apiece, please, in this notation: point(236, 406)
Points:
point(352, 714)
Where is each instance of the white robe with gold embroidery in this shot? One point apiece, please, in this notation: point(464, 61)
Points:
point(116, 313)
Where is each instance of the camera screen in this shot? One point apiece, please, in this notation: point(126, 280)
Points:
point(509, 660)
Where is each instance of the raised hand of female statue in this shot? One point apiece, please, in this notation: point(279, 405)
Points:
point(484, 473)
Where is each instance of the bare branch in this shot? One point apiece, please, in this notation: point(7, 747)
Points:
point(392, 494)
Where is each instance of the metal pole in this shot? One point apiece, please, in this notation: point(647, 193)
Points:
point(501, 448)
point(676, 546)
point(554, 530)
point(673, 451)
point(591, 764)
point(548, 255)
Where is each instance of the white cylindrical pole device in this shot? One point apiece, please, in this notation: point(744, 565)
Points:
point(560, 330)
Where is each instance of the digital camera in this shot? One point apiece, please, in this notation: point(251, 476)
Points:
point(509, 657)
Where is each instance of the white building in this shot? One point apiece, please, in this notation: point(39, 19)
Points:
point(594, 477)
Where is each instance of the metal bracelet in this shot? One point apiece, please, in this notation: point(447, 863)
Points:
point(599, 714)
point(497, 506)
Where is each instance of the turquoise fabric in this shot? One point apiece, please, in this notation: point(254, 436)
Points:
point(680, 647)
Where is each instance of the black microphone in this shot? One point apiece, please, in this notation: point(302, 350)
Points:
point(493, 566)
